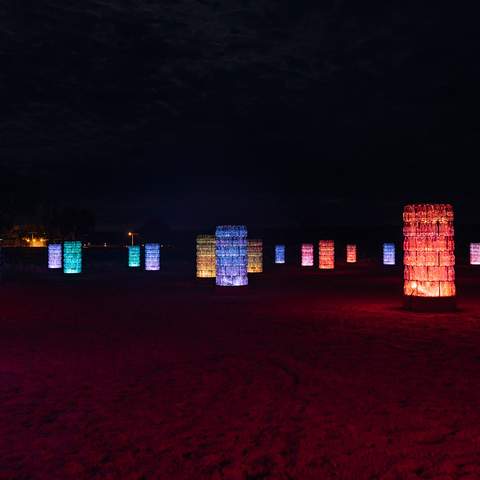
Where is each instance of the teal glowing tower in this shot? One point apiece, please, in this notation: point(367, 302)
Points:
point(72, 257)
point(134, 256)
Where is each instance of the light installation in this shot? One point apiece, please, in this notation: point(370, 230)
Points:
point(152, 257)
point(307, 255)
point(351, 253)
point(206, 262)
point(232, 256)
point(279, 254)
point(389, 254)
point(55, 255)
point(429, 250)
point(72, 257)
point(326, 254)
point(134, 256)
point(255, 256)
point(475, 254)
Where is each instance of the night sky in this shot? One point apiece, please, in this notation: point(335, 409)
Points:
point(263, 112)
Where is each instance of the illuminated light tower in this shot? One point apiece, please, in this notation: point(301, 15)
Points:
point(279, 254)
point(232, 256)
point(389, 254)
point(429, 256)
point(326, 254)
point(72, 257)
point(307, 255)
point(152, 257)
point(206, 261)
point(255, 256)
point(351, 254)
point(55, 255)
point(475, 254)
point(134, 256)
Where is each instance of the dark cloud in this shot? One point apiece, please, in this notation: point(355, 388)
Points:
point(281, 106)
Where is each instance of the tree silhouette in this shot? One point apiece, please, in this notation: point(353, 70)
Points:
point(73, 222)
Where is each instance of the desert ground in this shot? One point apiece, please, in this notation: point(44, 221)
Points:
point(302, 375)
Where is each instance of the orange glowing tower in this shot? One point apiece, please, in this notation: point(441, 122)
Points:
point(429, 254)
point(326, 254)
point(351, 254)
point(255, 256)
point(206, 256)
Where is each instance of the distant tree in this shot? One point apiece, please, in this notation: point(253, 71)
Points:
point(72, 222)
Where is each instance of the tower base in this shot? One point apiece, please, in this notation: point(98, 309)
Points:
point(430, 304)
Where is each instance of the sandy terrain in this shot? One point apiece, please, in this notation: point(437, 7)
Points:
point(297, 377)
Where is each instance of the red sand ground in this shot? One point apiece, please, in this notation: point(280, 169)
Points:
point(303, 377)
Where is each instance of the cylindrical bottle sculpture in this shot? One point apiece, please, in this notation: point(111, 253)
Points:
point(389, 254)
point(206, 262)
point(255, 256)
point(307, 255)
point(152, 257)
point(134, 256)
point(326, 254)
point(475, 254)
point(279, 254)
point(72, 257)
point(429, 254)
point(55, 255)
point(351, 253)
point(232, 257)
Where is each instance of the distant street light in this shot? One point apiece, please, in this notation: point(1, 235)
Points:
point(132, 235)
